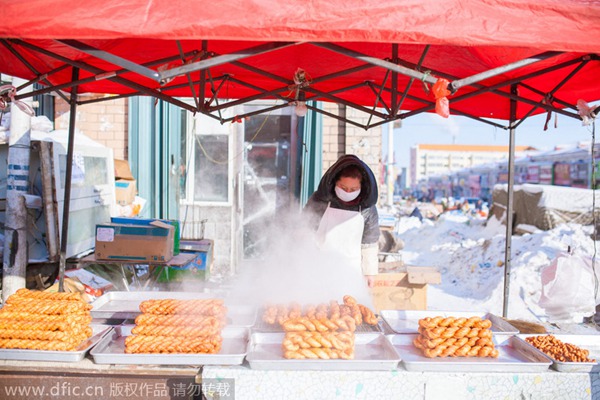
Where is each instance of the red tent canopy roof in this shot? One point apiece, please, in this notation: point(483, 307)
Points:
point(561, 25)
point(455, 39)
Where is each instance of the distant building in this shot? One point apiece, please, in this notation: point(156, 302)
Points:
point(438, 159)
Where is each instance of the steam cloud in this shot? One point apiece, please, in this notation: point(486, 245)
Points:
point(296, 269)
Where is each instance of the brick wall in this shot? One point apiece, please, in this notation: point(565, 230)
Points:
point(104, 122)
point(334, 143)
point(340, 138)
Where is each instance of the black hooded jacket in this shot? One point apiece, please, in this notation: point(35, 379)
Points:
point(317, 203)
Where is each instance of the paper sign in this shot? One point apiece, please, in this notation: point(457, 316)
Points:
point(105, 234)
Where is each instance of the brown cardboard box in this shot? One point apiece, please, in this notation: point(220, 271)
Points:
point(125, 191)
point(136, 243)
point(122, 170)
point(405, 290)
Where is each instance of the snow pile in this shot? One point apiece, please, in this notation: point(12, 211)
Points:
point(469, 253)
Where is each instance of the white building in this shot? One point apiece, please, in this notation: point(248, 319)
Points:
point(438, 159)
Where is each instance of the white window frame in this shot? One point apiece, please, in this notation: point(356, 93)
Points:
point(193, 128)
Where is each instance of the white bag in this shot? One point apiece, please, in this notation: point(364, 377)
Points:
point(568, 289)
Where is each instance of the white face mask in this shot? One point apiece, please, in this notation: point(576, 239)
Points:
point(346, 196)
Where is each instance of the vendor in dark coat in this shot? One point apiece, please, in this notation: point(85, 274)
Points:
point(343, 209)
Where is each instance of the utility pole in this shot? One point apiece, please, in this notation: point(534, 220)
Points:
point(14, 265)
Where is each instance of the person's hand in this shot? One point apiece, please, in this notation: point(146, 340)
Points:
point(370, 279)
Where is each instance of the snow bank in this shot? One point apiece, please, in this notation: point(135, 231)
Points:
point(470, 256)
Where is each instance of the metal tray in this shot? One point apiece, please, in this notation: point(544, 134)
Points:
point(111, 350)
point(98, 332)
point(407, 321)
point(515, 356)
point(588, 342)
point(126, 305)
point(372, 352)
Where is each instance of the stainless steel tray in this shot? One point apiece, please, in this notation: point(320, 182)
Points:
point(126, 305)
point(372, 352)
point(111, 350)
point(515, 356)
point(588, 342)
point(407, 321)
point(99, 331)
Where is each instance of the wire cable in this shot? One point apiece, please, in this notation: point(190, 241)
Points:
point(209, 158)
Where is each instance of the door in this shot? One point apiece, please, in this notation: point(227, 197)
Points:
point(267, 193)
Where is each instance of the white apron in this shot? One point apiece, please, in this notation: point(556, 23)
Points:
point(340, 232)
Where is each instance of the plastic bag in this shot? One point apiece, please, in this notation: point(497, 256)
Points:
point(568, 289)
point(440, 91)
point(585, 112)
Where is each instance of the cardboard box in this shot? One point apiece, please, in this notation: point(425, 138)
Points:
point(404, 290)
point(122, 170)
point(137, 243)
point(148, 222)
point(125, 191)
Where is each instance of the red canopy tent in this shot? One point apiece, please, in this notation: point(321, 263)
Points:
point(502, 59)
point(364, 54)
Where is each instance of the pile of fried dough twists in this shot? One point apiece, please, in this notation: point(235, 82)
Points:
point(325, 331)
point(44, 321)
point(178, 326)
point(455, 337)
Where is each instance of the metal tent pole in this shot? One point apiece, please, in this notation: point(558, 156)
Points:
point(457, 84)
point(509, 202)
point(68, 173)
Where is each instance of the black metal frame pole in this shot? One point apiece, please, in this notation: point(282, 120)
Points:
point(64, 237)
point(223, 59)
point(110, 75)
point(509, 202)
point(377, 61)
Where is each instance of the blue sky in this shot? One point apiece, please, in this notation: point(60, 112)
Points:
point(432, 129)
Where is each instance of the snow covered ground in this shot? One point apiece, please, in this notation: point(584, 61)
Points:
point(469, 253)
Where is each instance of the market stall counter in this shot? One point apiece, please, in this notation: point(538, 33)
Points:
point(179, 345)
point(398, 383)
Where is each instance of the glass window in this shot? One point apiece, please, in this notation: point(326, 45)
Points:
point(87, 171)
point(211, 175)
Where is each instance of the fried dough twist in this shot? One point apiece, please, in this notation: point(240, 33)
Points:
point(55, 345)
point(49, 307)
point(179, 320)
point(181, 331)
point(41, 335)
point(52, 326)
point(318, 353)
point(171, 306)
point(34, 294)
point(77, 318)
point(346, 323)
point(172, 344)
point(304, 340)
